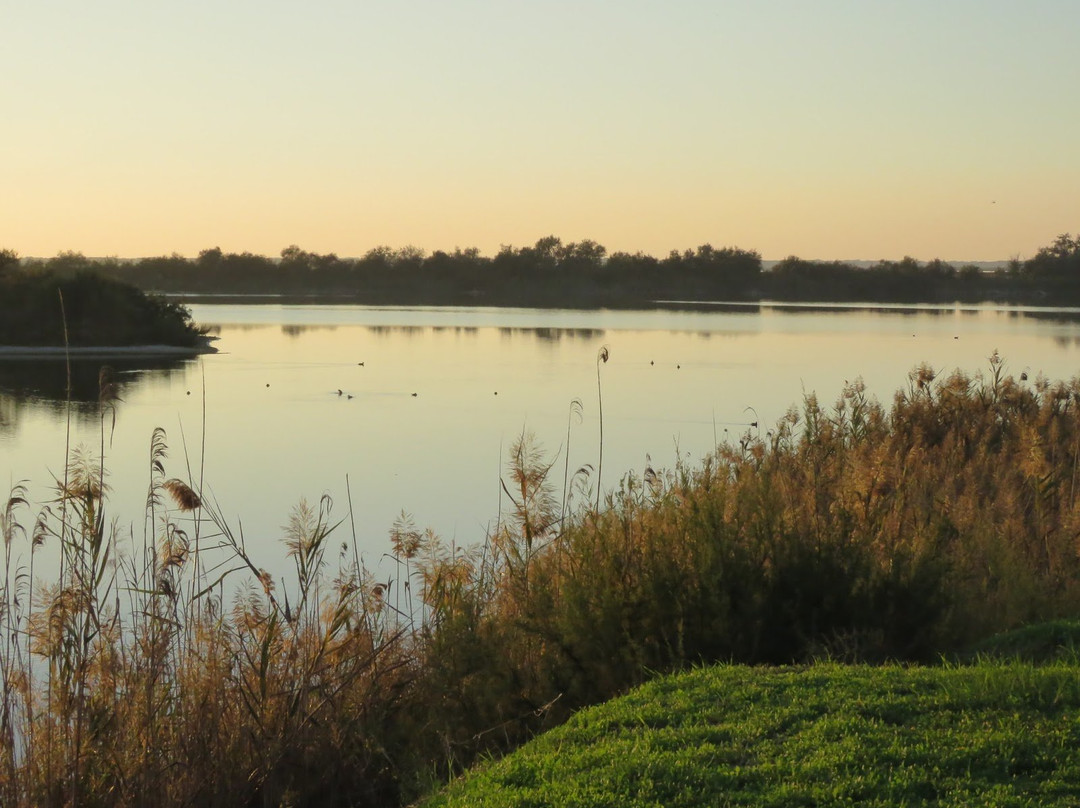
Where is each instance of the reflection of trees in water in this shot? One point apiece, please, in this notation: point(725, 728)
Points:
point(715, 307)
point(396, 330)
point(417, 330)
point(9, 413)
point(458, 330)
point(542, 334)
point(42, 384)
point(1067, 317)
point(13, 406)
point(554, 334)
point(288, 329)
point(901, 311)
point(294, 331)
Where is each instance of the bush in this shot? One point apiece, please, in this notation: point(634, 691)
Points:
point(36, 308)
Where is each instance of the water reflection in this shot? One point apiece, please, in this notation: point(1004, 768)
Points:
point(397, 330)
point(467, 330)
point(542, 334)
point(41, 384)
point(294, 331)
point(1047, 316)
point(1069, 316)
point(553, 334)
point(836, 308)
point(274, 427)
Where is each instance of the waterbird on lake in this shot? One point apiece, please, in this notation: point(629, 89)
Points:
point(339, 391)
point(414, 395)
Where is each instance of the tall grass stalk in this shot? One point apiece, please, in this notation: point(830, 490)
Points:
point(601, 358)
point(575, 412)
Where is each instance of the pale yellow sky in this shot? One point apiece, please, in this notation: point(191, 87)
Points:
point(857, 130)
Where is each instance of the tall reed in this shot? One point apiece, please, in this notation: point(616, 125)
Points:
point(601, 358)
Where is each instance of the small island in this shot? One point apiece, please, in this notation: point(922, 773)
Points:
point(88, 314)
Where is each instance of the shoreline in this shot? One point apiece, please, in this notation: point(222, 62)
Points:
point(100, 351)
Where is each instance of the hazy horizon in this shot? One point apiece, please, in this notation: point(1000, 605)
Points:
point(824, 130)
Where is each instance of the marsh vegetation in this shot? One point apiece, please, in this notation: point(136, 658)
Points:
point(169, 668)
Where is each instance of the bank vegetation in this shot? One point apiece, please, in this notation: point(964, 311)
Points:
point(166, 667)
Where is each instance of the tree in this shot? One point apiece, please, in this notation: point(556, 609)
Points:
point(9, 261)
point(584, 253)
point(549, 249)
point(211, 258)
point(294, 255)
point(69, 262)
point(1059, 261)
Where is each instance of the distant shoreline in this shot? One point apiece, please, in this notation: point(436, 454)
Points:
point(345, 299)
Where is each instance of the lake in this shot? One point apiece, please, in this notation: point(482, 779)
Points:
point(432, 398)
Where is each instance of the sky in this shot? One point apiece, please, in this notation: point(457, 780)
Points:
point(827, 129)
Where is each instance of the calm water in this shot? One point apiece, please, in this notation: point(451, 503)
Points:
point(442, 393)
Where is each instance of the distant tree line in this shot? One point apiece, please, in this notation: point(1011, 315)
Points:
point(556, 273)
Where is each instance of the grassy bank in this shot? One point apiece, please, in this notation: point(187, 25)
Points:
point(164, 666)
point(992, 734)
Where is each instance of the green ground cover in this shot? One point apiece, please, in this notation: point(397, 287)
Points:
point(989, 734)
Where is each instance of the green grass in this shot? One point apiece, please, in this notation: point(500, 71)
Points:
point(1042, 642)
point(992, 734)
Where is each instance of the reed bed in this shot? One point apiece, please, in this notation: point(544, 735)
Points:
point(171, 669)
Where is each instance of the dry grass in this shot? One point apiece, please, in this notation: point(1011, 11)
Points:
point(176, 671)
